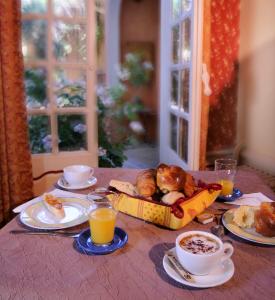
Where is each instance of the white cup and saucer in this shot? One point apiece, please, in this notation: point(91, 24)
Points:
point(77, 177)
point(204, 256)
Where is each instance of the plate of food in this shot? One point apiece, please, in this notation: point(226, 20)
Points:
point(256, 224)
point(55, 213)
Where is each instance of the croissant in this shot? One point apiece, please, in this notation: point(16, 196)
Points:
point(189, 185)
point(146, 183)
point(170, 178)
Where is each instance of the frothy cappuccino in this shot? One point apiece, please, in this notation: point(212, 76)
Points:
point(199, 244)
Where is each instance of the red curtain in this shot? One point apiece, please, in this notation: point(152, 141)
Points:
point(15, 157)
point(220, 53)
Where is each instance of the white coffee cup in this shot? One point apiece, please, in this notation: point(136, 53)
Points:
point(77, 174)
point(202, 263)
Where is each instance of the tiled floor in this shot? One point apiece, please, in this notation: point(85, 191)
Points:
point(142, 157)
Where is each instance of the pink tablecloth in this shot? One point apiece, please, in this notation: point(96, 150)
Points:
point(35, 267)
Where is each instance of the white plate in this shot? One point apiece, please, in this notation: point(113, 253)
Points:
point(248, 234)
point(92, 181)
point(217, 277)
point(37, 216)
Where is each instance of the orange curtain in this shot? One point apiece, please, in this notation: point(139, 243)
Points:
point(220, 54)
point(15, 157)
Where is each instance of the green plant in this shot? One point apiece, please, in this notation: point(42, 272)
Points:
point(116, 110)
point(118, 116)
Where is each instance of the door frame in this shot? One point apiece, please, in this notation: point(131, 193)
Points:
point(168, 155)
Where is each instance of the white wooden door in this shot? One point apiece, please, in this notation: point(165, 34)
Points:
point(58, 43)
point(181, 42)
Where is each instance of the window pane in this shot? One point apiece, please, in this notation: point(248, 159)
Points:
point(183, 143)
point(40, 134)
point(33, 6)
point(70, 87)
point(184, 97)
point(176, 8)
point(173, 132)
point(186, 5)
point(35, 80)
point(69, 41)
point(176, 43)
point(70, 8)
point(34, 42)
point(100, 41)
point(185, 44)
point(174, 87)
point(72, 132)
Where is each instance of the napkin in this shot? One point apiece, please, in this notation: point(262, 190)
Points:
point(253, 199)
point(55, 192)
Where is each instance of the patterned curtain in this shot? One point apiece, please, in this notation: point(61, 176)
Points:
point(15, 157)
point(220, 54)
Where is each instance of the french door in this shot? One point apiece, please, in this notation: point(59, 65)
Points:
point(181, 42)
point(58, 45)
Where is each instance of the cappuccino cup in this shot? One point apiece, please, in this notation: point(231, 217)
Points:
point(77, 174)
point(200, 252)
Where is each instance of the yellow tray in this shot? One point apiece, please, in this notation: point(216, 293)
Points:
point(161, 214)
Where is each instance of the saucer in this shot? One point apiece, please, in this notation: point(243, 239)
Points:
point(218, 276)
point(90, 182)
point(85, 245)
point(236, 194)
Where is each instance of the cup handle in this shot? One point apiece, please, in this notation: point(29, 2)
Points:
point(91, 173)
point(227, 250)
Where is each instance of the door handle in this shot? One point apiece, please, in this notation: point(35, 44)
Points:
point(206, 80)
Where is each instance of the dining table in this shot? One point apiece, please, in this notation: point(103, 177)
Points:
point(49, 267)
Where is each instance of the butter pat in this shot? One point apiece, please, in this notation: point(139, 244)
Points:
point(205, 218)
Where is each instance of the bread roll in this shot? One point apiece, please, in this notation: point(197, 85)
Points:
point(54, 206)
point(244, 216)
point(170, 178)
point(265, 219)
point(146, 183)
point(172, 197)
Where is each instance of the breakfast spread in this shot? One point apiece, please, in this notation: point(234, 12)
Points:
point(166, 184)
point(167, 196)
point(261, 218)
point(54, 206)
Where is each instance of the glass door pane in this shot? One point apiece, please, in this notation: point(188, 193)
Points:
point(181, 60)
point(180, 79)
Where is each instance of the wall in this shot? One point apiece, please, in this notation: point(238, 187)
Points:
point(139, 23)
point(256, 120)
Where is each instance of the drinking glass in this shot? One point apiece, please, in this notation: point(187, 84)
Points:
point(225, 169)
point(102, 218)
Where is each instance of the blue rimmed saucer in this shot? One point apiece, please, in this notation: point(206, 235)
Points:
point(236, 194)
point(84, 244)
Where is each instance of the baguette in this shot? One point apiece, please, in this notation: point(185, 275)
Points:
point(54, 206)
point(123, 186)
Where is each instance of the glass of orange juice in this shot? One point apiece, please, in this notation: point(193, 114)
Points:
point(225, 169)
point(102, 218)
